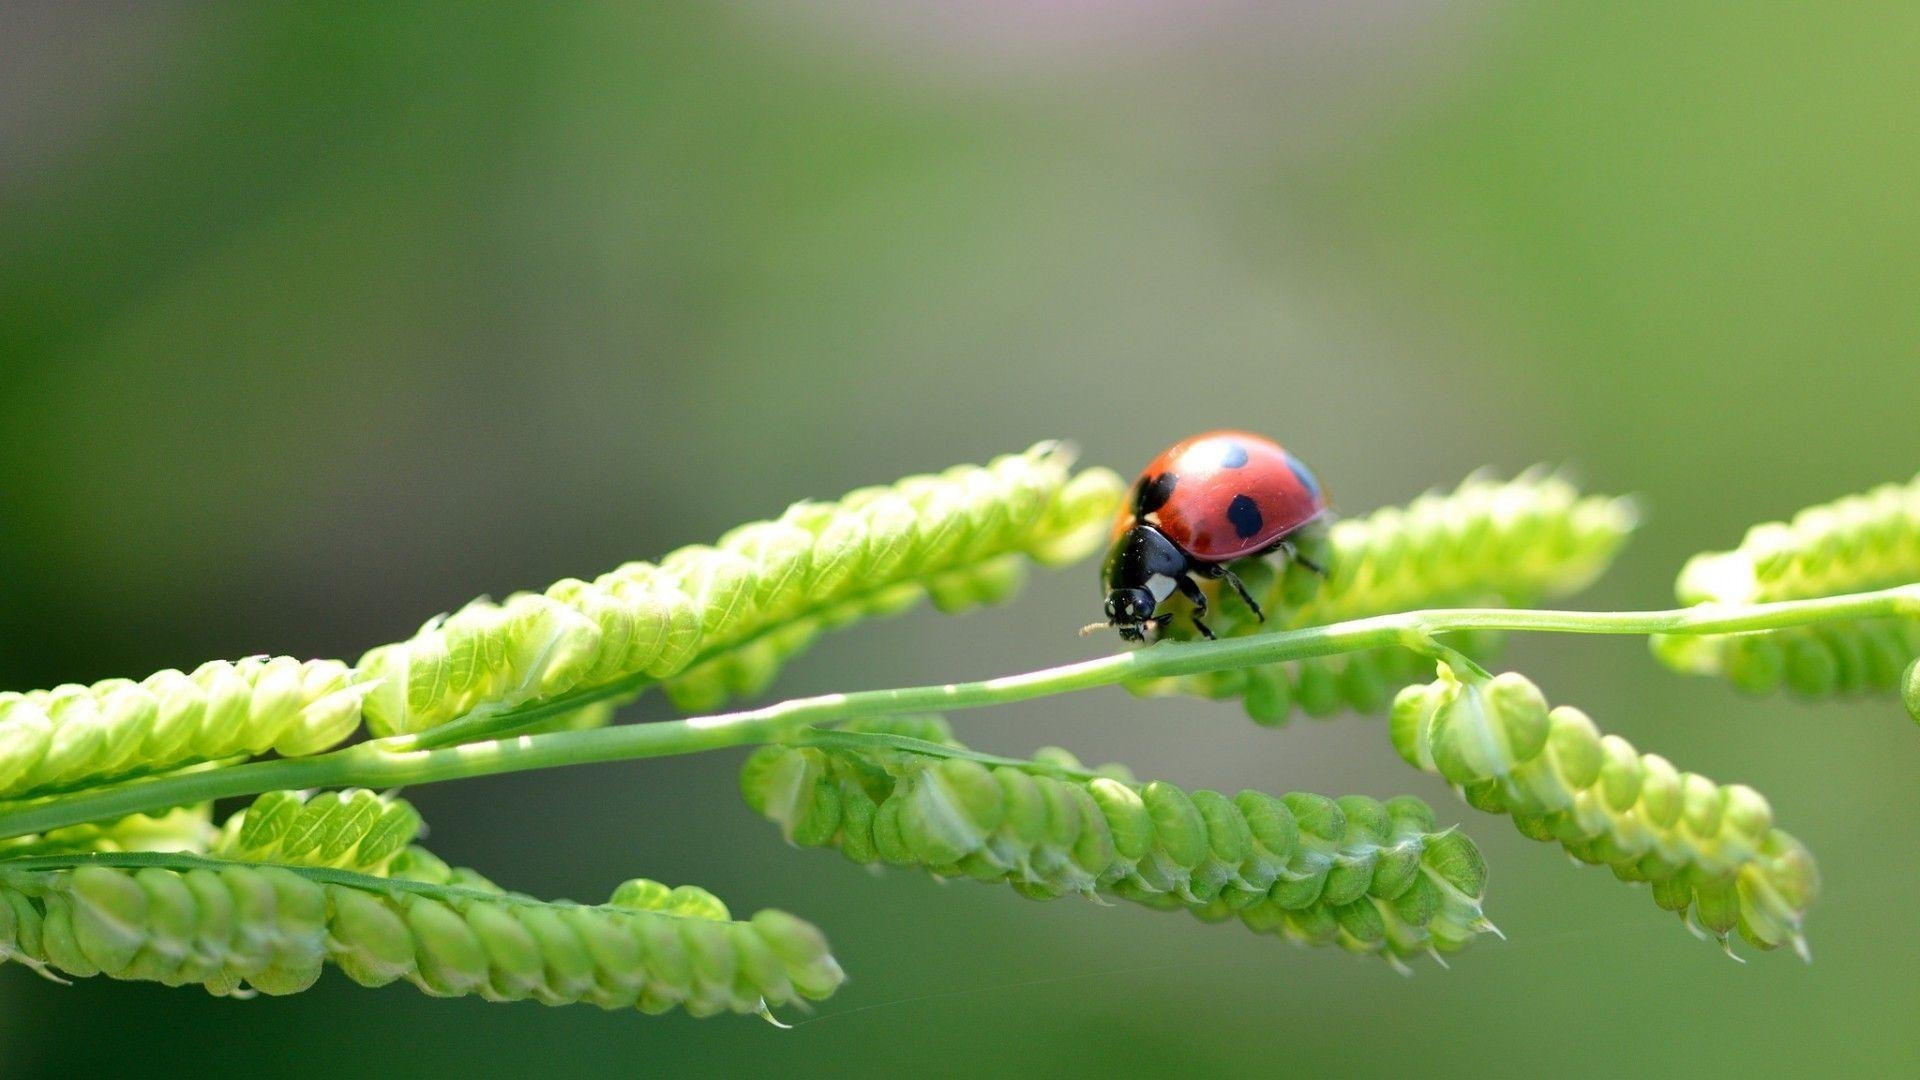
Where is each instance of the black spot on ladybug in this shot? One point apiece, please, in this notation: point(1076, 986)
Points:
point(1152, 493)
point(1244, 513)
point(1232, 455)
point(1304, 475)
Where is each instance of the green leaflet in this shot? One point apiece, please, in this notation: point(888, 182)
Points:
point(1487, 542)
point(355, 830)
point(1709, 851)
point(1856, 543)
point(712, 622)
point(1375, 878)
point(231, 927)
point(73, 735)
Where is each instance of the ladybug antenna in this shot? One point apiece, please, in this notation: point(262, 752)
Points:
point(1095, 626)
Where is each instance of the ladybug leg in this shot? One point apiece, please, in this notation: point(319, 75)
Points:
point(1233, 579)
point(1190, 589)
point(1292, 552)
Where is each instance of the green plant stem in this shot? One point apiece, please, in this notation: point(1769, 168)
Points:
point(183, 861)
point(395, 762)
point(871, 740)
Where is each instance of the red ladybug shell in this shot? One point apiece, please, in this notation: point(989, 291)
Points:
point(1224, 495)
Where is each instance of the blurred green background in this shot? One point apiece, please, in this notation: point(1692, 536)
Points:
point(315, 321)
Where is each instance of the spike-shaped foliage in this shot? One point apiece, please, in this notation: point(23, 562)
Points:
point(711, 622)
point(74, 735)
point(231, 927)
point(1377, 878)
point(356, 830)
point(1710, 851)
point(1860, 542)
point(1487, 542)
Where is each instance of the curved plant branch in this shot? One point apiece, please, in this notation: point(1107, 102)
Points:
point(390, 762)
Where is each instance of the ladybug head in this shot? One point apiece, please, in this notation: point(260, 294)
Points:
point(1139, 556)
point(1130, 610)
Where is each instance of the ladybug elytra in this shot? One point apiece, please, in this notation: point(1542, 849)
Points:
point(1203, 503)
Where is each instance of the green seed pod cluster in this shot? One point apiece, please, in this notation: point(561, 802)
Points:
point(72, 735)
point(187, 828)
point(712, 622)
point(1372, 877)
point(1709, 851)
point(1487, 542)
point(355, 830)
point(1861, 542)
point(233, 928)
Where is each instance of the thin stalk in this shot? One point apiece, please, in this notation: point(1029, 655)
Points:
point(184, 861)
point(394, 762)
point(858, 741)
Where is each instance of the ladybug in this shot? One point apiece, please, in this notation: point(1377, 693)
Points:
point(1204, 502)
